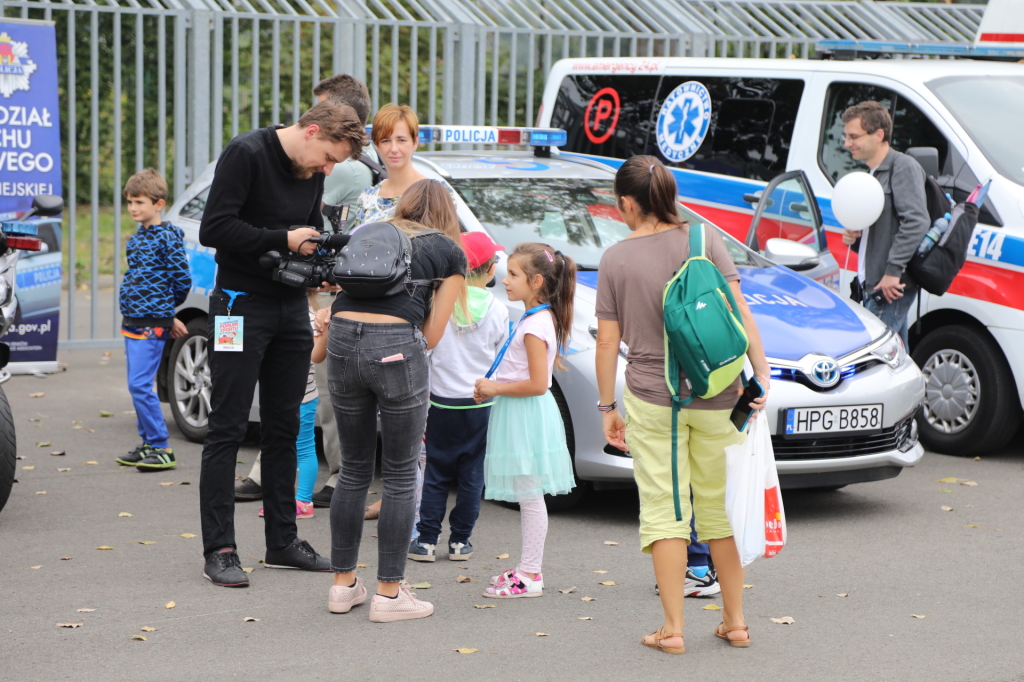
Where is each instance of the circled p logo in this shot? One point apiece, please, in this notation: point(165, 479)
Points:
point(604, 105)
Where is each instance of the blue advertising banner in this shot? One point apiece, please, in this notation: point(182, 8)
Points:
point(30, 165)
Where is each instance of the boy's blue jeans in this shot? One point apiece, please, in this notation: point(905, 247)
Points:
point(143, 361)
point(456, 443)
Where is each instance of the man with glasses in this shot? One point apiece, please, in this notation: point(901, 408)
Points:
point(885, 248)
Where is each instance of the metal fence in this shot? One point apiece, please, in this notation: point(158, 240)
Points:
point(168, 84)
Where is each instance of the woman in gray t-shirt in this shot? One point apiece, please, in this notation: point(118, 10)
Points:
point(632, 278)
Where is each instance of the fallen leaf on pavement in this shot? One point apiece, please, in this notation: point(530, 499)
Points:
point(971, 525)
point(970, 505)
point(362, 565)
point(40, 492)
point(124, 514)
point(64, 469)
point(166, 483)
point(785, 620)
point(712, 607)
point(138, 638)
point(600, 571)
point(420, 586)
point(250, 619)
point(86, 610)
point(36, 567)
point(169, 605)
point(944, 490)
point(146, 628)
point(608, 582)
point(537, 634)
point(188, 535)
point(484, 606)
point(65, 558)
point(948, 479)
point(58, 453)
point(372, 492)
point(147, 542)
point(108, 353)
point(43, 443)
point(571, 589)
point(33, 419)
point(76, 624)
point(609, 542)
point(501, 556)
point(77, 426)
point(40, 394)
point(248, 570)
point(20, 457)
point(584, 618)
point(969, 483)
point(747, 587)
point(29, 467)
point(465, 651)
point(843, 594)
point(946, 507)
point(185, 483)
point(977, 459)
point(104, 547)
point(917, 616)
point(91, 462)
point(104, 413)
point(91, 431)
point(129, 412)
point(462, 579)
point(588, 598)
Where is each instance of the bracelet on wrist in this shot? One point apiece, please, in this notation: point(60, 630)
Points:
point(607, 408)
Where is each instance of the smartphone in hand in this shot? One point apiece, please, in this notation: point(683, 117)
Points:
point(741, 413)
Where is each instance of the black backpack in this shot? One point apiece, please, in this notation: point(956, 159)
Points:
point(936, 269)
point(938, 202)
point(379, 172)
point(377, 262)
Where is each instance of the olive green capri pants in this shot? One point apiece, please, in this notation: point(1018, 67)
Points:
point(703, 437)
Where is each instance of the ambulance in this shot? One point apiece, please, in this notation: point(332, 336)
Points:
point(756, 146)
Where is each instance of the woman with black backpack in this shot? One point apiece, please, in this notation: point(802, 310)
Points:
point(633, 277)
point(376, 356)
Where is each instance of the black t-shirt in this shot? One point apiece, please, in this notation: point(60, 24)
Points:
point(434, 256)
point(253, 201)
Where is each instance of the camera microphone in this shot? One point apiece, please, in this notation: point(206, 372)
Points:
point(333, 241)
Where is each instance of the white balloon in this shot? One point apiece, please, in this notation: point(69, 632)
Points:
point(857, 200)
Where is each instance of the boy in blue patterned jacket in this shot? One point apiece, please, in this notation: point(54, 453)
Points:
point(156, 282)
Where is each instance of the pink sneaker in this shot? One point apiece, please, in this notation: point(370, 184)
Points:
point(515, 584)
point(260, 513)
point(341, 599)
point(403, 607)
point(304, 510)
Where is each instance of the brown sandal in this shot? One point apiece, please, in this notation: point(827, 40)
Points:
point(658, 637)
point(724, 634)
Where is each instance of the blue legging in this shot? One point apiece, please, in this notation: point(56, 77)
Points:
point(305, 451)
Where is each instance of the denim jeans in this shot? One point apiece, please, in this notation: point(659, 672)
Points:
point(895, 314)
point(361, 383)
point(456, 443)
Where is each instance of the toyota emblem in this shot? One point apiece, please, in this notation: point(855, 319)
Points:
point(825, 373)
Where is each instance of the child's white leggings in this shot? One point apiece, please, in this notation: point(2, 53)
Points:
point(534, 517)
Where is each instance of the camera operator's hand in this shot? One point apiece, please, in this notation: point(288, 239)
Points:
point(297, 240)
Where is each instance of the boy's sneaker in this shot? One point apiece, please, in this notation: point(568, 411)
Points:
point(341, 599)
point(515, 585)
point(403, 607)
point(223, 568)
point(157, 459)
point(459, 551)
point(699, 587)
point(421, 551)
point(135, 456)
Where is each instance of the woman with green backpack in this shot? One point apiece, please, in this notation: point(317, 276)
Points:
point(668, 292)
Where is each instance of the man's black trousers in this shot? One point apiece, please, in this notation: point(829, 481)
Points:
point(277, 343)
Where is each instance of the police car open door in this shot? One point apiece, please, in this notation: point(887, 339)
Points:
point(787, 226)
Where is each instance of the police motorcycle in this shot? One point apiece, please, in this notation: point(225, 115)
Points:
point(15, 236)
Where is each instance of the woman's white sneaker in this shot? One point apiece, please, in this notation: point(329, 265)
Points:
point(341, 599)
point(403, 607)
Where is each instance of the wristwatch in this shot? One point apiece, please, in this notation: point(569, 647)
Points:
point(607, 408)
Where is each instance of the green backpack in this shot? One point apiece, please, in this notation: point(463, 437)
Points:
point(704, 336)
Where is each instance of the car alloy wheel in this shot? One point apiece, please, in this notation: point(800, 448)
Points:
point(952, 389)
point(192, 382)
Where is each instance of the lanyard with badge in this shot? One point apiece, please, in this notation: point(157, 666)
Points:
point(228, 329)
point(512, 335)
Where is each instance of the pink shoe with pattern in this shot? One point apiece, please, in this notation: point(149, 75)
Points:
point(515, 584)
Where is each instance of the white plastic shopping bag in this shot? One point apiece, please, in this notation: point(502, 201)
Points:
point(752, 498)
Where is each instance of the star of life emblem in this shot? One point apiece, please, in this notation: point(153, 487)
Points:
point(15, 65)
point(683, 121)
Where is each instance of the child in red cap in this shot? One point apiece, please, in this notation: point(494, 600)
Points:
point(456, 436)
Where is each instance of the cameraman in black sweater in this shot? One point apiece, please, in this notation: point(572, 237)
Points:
point(266, 181)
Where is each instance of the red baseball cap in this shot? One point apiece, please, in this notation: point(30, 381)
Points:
point(479, 248)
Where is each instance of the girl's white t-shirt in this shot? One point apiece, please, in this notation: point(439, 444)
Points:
point(515, 366)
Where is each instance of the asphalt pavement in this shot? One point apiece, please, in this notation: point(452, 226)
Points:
point(881, 582)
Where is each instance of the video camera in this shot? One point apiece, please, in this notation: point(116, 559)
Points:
point(307, 271)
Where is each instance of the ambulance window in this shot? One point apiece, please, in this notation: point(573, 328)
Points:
point(752, 121)
point(910, 127)
point(608, 115)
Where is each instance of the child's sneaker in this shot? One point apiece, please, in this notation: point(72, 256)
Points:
point(157, 459)
point(341, 599)
point(516, 584)
point(403, 607)
point(459, 551)
point(421, 551)
point(303, 510)
point(135, 456)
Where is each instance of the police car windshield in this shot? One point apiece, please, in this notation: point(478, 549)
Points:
point(576, 216)
point(989, 107)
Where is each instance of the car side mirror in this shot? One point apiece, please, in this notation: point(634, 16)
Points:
point(928, 157)
point(793, 255)
point(46, 205)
